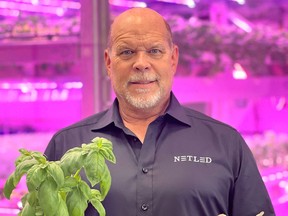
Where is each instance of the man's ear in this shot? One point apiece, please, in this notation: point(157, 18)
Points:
point(107, 61)
point(175, 58)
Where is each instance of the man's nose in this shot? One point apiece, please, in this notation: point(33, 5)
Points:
point(141, 61)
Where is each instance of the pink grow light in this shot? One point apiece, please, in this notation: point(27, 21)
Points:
point(59, 11)
point(128, 3)
point(239, 72)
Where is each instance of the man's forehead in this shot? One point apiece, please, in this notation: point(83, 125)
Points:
point(138, 29)
point(138, 18)
point(139, 23)
point(139, 26)
point(134, 13)
point(138, 39)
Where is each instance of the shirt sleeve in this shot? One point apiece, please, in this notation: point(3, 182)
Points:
point(250, 196)
point(50, 151)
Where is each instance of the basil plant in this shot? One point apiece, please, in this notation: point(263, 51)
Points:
point(56, 187)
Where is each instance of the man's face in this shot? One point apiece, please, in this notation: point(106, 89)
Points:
point(141, 62)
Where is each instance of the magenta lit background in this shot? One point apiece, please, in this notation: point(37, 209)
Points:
point(233, 67)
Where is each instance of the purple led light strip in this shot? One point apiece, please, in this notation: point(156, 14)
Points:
point(40, 85)
point(48, 6)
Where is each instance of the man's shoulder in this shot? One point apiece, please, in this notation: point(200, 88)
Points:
point(202, 118)
point(86, 123)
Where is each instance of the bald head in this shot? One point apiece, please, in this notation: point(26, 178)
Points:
point(141, 20)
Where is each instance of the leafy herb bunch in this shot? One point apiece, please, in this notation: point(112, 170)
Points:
point(56, 187)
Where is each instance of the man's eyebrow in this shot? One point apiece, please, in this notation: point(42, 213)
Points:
point(122, 46)
point(157, 45)
point(130, 45)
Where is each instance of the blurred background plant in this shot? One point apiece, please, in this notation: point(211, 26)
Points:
point(208, 49)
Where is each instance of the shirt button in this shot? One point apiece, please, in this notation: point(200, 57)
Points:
point(144, 207)
point(145, 170)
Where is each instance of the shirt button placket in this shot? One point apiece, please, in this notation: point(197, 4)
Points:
point(145, 175)
point(144, 206)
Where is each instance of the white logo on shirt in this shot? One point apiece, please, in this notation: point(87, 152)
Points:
point(194, 159)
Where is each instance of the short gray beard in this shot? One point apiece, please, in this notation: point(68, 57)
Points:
point(142, 101)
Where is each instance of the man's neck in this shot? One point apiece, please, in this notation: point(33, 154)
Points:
point(138, 120)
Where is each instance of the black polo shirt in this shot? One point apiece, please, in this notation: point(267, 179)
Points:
point(188, 165)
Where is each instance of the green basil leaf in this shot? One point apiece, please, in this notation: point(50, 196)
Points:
point(55, 171)
point(107, 144)
point(98, 206)
point(76, 203)
point(9, 186)
point(24, 199)
point(35, 176)
point(32, 198)
point(97, 140)
point(94, 166)
point(24, 151)
point(39, 211)
point(62, 209)
point(70, 151)
point(28, 210)
point(63, 192)
point(95, 194)
point(103, 143)
point(85, 189)
point(105, 182)
point(108, 154)
point(86, 148)
point(70, 182)
point(22, 158)
point(72, 161)
point(48, 196)
point(39, 157)
point(22, 169)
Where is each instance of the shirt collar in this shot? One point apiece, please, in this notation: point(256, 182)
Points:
point(177, 111)
point(112, 116)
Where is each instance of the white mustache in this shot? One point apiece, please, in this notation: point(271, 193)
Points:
point(143, 78)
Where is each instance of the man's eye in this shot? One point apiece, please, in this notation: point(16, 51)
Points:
point(155, 51)
point(126, 52)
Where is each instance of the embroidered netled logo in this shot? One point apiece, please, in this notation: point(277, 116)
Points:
point(191, 158)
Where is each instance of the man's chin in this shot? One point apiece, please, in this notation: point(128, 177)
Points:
point(146, 102)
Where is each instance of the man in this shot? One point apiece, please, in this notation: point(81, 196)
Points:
point(171, 160)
